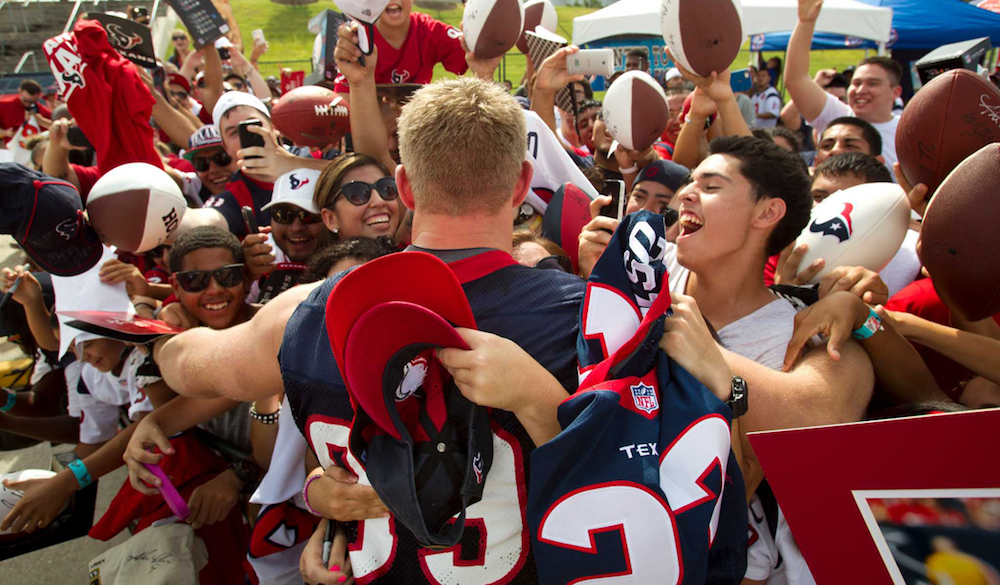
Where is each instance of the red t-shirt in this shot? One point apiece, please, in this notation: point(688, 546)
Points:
point(87, 176)
point(427, 43)
point(920, 299)
point(12, 112)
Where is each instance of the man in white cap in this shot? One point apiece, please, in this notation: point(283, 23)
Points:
point(297, 231)
point(258, 167)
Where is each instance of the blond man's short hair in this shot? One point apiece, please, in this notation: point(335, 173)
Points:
point(462, 143)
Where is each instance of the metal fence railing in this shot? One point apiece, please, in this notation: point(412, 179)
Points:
point(512, 68)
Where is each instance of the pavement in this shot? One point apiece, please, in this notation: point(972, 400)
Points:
point(64, 563)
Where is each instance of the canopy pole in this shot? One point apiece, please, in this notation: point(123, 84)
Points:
point(881, 50)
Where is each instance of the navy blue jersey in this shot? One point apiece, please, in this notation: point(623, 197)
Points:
point(642, 482)
point(538, 310)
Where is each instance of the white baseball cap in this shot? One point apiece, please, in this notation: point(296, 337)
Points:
point(673, 73)
point(296, 188)
point(231, 99)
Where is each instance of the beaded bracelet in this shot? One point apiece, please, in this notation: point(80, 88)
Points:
point(305, 494)
point(267, 419)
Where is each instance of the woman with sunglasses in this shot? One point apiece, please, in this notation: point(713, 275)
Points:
point(357, 197)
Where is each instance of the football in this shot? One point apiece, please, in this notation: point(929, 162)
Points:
point(135, 207)
point(537, 13)
point(492, 27)
point(861, 226)
point(703, 35)
point(10, 497)
point(950, 118)
point(959, 238)
point(635, 110)
point(312, 116)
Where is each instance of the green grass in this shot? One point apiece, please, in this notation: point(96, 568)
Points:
point(290, 44)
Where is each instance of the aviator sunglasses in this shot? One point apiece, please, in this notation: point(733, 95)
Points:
point(286, 216)
point(197, 280)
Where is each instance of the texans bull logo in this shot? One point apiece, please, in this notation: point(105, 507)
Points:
point(296, 182)
point(121, 39)
point(839, 226)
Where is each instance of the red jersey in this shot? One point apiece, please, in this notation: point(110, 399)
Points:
point(12, 112)
point(87, 177)
point(920, 299)
point(427, 43)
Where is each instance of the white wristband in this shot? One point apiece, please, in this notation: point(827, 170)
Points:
point(630, 170)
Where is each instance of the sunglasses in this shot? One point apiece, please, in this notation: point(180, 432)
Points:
point(221, 159)
point(198, 280)
point(359, 192)
point(179, 38)
point(287, 215)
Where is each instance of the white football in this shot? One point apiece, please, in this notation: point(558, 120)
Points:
point(635, 110)
point(8, 497)
point(135, 207)
point(703, 35)
point(861, 226)
point(492, 27)
point(537, 13)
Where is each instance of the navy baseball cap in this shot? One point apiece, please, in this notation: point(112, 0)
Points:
point(665, 172)
point(45, 216)
point(426, 449)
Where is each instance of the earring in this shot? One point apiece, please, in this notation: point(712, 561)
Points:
point(335, 230)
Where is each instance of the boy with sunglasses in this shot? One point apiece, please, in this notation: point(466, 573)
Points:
point(208, 278)
point(211, 162)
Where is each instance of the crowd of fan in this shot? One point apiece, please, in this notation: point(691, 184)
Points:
point(742, 169)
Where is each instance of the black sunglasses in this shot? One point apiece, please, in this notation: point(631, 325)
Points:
point(198, 280)
point(221, 159)
point(179, 38)
point(359, 192)
point(287, 215)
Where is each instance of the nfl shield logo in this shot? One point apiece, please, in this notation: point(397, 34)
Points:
point(645, 397)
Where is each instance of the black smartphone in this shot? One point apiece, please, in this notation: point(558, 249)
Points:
point(160, 81)
point(76, 137)
point(249, 220)
point(248, 138)
point(224, 53)
point(616, 190)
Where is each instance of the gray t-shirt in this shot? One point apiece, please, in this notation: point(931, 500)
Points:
point(761, 336)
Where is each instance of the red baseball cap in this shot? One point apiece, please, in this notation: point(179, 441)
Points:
point(568, 212)
point(413, 277)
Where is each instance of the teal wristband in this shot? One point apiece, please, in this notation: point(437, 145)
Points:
point(79, 470)
point(871, 326)
point(11, 401)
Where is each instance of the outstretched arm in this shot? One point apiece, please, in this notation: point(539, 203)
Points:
point(808, 96)
point(368, 130)
point(240, 363)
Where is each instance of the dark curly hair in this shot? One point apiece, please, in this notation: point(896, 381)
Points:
point(204, 237)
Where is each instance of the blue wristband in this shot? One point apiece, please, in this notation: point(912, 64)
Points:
point(11, 401)
point(79, 469)
point(871, 326)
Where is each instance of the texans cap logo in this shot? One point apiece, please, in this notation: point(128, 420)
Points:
point(296, 182)
point(839, 226)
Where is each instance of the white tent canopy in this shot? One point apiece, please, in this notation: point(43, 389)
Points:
point(642, 17)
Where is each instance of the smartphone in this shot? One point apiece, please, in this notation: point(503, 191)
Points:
point(740, 80)
point(249, 220)
point(616, 190)
point(591, 62)
point(258, 35)
point(248, 138)
point(224, 53)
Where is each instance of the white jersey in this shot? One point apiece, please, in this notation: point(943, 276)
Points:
point(553, 166)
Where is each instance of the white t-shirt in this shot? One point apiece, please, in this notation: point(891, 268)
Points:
point(767, 102)
point(904, 267)
point(835, 108)
point(96, 400)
